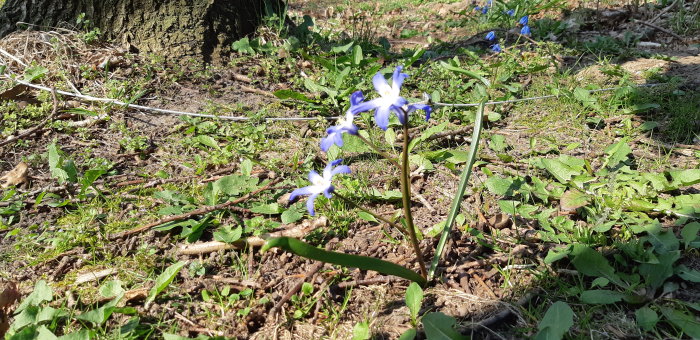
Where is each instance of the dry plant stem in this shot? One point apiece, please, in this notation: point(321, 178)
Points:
point(381, 153)
point(377, 216)
point(192, 213)
point(406, 197)
point(38, 126)
point(661, 29)
point(295, 289)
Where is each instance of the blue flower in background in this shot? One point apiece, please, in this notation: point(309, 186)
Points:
point(496, 48)
point(510, 12)
point(485, 10)
point(320, 184)
point(523, 21)
point(335, 133)
point(525, 30)
point(477, 8)
point(390, 100)
point(491, 36)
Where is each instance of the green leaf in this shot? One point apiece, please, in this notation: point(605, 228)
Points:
point(414, 299)
point(685, 322)
point(689, 233)
point(601, 296)
point(367, 217)
point(590, 262)
point(227, 234)
point(688, 274)
point(646, 318)
point(41, 293)
point(573, 199)
point(499, 186)
point(664, 241)
point(97, 316)
point(90, 177)
point(45, 334)
point(409, 334)
point(390, 136)
point(234, 185)
point(556, 322)
point(343, 48)
point(243, 46)
point(361, 331)
point(468, 73)
point(246, 167)
point(584, 96)
point(655, 274)
point(498, 143)
point(34, 73)
point(352, 261)
point(291, 216)
point(439, 326)
point(291, 94)
point(163, 280)
point(560, 170)
point(427, 133)
point(683, 178)
point(617, 153)
point(82, 334)
point(357, 55)
point(267, 209)
point(112, 288)
point(207, 141)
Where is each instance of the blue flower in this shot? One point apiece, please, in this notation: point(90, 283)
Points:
point(525, 30)
point(320, 184)
point(491, 36)
point(510, 12)
point(477, 8)
point(389, 100)
point(335, 133)
point(496, 48)
point(523, 21)
point(485, 9)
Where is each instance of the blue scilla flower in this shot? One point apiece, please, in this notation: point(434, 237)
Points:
point(510, 12)
point(523, 21)
point(389, 100)
point(525, 30)
point(496, 48)
point(491, 36)
point(485, 9)
point(320, 184)
point(335, 133)
point(477, 8)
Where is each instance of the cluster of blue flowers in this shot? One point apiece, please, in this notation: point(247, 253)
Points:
point(389, 101)
point(525, 30)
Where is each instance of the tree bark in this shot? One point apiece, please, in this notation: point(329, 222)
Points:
point(173, 28)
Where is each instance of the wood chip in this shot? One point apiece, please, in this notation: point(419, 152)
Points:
point(93, 276)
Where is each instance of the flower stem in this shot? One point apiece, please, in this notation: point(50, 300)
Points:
point(377, 216)
point(406, 196)
point(380, 152)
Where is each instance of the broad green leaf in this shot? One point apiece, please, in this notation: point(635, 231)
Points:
point(561, 171)
point(291, 216)
point(655, 274)
point(343, 48)
point(361, 331)
point(439, 326)
point(227, 234)
point(688, 274)
point(243, 46)
point(45, 334)
point(646, 318)
point(427, 133)
point(90, 177)
point(499, 186)
point(617, 153)
point(584, 96)
point(409, 334)
point(689, 233)
point(111, 289)
point(685, 322)
point(357, 55)
point(267, 209)
point(35, 72)
point(664, 241)
point(367, 217)
point(234, 185)
point(82, 334)
point(97, 316)
point(556, 322)
point(246, 167)
point(164, 279)
point(390, 136)
point(590, 262)
point(687, 177)
point(573, 199)
point(207, 141)
point(601, 296)
point(414, 299)
point(41, 293)
point(498, 143)
point(352, 261)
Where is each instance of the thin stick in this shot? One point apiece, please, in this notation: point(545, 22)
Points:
point(295, 289)
point(38, 126)
point(406, 197)
point(192, 213)
point(661, 29)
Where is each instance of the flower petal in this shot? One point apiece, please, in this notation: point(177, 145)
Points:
point(366, 106)
point(341, 169)
point(314, 177)
point(356, 98)
point(398, 78)
point(329, 191)
point(327, 141)
point(380, 83)
point(424, 107)
point(524, 20)
point(310, 204)
point(300, 192)
point(381, 117)
point(491, 36)
point(525, 30)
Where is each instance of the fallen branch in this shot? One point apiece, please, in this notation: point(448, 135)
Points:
point(661, 29)
point(201, 211)
point(254, 241)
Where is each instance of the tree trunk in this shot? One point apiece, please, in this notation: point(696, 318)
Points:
point(173, 28)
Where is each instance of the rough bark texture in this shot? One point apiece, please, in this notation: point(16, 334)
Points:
point(174, 28)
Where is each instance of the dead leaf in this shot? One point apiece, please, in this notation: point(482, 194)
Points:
point(13, 92)
point(8, 297)
point(16, 176)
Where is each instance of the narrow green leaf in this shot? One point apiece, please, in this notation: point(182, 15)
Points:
point(291, 94)
point(163, 280)
point(353, 261)
point(601, 296)
point(556, 322)
point(468, 73)
point(688, 274)
point(685, 322)
point(357, 55)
